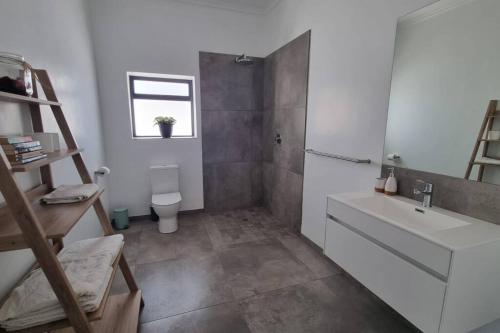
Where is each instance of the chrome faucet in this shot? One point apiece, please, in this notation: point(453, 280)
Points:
point(427, 192)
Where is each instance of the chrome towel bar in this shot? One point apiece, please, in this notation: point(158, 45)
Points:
point(338, 157)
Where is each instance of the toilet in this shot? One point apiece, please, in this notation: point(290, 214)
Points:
point(166, 199)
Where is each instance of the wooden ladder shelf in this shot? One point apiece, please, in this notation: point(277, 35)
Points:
point(24, 223)
point(482, 139)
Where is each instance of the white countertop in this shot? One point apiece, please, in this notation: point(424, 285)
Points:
point(475, 232)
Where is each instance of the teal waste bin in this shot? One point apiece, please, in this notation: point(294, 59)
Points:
point(120, 218)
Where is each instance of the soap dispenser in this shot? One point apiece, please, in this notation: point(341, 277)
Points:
point(391, 186)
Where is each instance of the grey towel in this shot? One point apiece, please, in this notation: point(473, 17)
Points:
point(70, 193)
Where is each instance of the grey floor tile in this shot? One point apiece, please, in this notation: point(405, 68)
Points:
point(119, 286)
point(313, 259)
point(244, 271)
point(301, 308)
point(193, 219)
point(216, 319)
point(132, 246)
point(313, 307)
point(372, 314)
point(261, 266)
point(233, 228)
point(190, 240)
point(276, 230)
point(177, 286)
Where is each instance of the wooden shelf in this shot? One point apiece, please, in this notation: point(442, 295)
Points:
point(8, 97)
point(101, 313)
point(52, 222)
point(121, 315)
point(56, 220)
point(51, 158)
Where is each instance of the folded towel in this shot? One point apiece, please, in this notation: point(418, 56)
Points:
point(70, 194)
point(88, 266)
point(49, 309)
point(109, 245)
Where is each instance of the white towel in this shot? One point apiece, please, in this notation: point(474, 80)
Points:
point(93, 246)
point(88, 266)
point(42, 306)
point(70, 194)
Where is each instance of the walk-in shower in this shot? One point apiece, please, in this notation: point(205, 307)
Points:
point(253, 128)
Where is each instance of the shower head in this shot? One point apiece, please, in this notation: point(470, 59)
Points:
point(244, 60)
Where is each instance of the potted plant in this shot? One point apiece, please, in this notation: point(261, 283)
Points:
point(165, 124)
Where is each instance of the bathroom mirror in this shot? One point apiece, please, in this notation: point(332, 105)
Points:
point(446, 71)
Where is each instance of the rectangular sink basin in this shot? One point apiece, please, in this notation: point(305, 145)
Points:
point(406, 214)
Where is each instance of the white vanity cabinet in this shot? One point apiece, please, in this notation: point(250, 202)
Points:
point(442, 278)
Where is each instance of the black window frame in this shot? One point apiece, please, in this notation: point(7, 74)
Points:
point(133, 95)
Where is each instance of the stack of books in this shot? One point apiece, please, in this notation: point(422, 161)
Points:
point(21, 149)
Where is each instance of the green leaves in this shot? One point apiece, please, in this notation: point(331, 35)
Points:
point(164, 120)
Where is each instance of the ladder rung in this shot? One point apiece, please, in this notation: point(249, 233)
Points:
point(487, 125)
point(487, 161)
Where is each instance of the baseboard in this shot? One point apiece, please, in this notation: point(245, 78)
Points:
point(139, 218)
point(183, 212)
point(191, 212)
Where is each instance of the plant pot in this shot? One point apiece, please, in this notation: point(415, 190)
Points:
point(166, 130)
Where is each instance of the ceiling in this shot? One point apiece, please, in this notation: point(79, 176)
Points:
point(246, 6)
point(432, 10)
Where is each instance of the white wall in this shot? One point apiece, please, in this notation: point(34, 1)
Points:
point(348, 93)
point(352, 45)
point(445, 73)
point(54, 35)
point(158, 36)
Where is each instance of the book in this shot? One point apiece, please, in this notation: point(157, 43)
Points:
point(12, 146)
point(30, 159)
point(21, 156)
point(11, 150)
point(21, 151)
point(26, 144)
point(14, 139)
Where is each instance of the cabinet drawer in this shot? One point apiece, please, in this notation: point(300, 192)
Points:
point(434, 258)
point(415, 294)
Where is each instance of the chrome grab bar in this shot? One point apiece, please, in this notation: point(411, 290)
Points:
point(338, 157)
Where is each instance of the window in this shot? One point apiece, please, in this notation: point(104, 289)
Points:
point(161, 95)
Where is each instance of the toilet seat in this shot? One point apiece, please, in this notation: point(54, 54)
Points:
point(166, 199)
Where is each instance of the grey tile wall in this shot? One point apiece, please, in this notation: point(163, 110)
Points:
point(231, 112)
point(227, 86)
point(243, 107)
point(285, 100)
point(479, 200)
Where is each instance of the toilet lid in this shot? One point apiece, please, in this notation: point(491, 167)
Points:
point(166, 199)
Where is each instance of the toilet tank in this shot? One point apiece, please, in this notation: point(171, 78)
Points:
point(164, 178)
